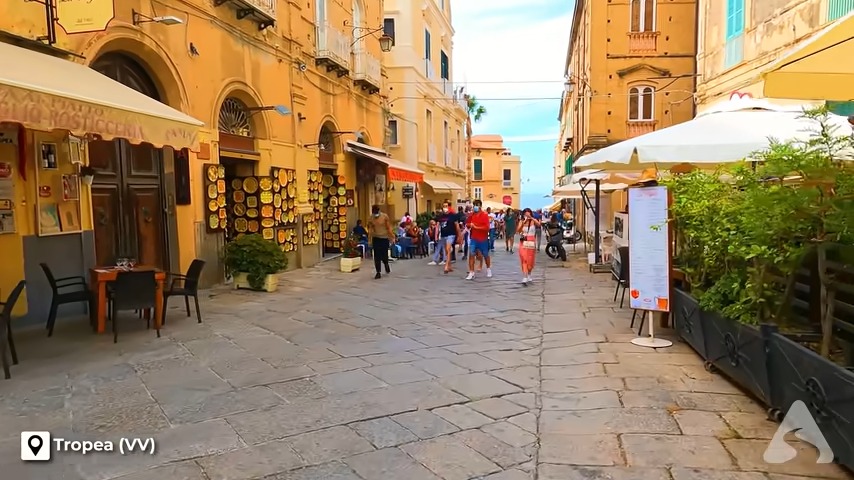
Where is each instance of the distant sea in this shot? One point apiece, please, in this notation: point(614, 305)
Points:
point(535, 200)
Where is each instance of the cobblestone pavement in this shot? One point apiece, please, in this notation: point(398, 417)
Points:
point(417, 376)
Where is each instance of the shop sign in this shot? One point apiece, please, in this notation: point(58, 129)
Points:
point(507, 200)
point(82, 16)
point(399, 175)
point(408, 191)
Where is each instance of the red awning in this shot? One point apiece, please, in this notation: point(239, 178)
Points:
point(397, 171)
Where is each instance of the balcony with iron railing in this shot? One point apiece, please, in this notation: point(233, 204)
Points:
point(333, 49)
point(367, 71)
point(262, 11)
point(635, 128)
point(643, 42)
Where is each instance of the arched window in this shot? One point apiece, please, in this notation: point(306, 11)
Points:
point(643, 15)
point(320, 7)
point(641, 103)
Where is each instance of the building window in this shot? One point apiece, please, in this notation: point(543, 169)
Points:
point(478, 169)
point(428, 127)
point(388, 28)
point(446, 152)
point(837, 9)
point(478, 193)
point(392, 133)
point(428, 54)
point(445, 66)
point(643, 15)
point(320, 14)
point(508, 176)
point(734, 33)
point(461, 161)
point(641, 101)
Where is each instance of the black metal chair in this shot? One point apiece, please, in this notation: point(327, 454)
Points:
point(134, 290)
point(65, 290)
point(621, 276)
point(185, 286)
point(6, 328)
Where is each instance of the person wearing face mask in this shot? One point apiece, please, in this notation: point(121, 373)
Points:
point(478, 224)
point(450, 222)
point(382, 235)
point(527, 231)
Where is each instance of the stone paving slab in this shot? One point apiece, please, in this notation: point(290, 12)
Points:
point(416, 376)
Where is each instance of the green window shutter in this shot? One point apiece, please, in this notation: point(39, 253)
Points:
point(837, 9)
point(567, 165)
point(846, 109)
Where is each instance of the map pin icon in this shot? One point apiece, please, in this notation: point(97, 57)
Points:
point(35, 444)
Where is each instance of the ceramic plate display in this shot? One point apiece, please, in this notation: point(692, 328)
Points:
point(239, 209)
point(292, 190)
point(268, 234)
point(350, 202)
point(250, 185)
point(213, 220)
point(265, 183)
point(220, 200)
point(328, 180)
point(252, 213)
point(267, 211)
point(213, 173)
point(266, 197)
point(241, 225)
point(236, 183)
point(222, 223)
point(238, 196)
point(251, 202)
point(212, 205)
point(290, 176)
point(212, 193)
point(277, 200)
point(333, 202)
point(267, 222)
point(254, 226)
point(280, 236)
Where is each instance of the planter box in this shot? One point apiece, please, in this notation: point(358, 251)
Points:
point(798, 373)
point(688, 321)
point(738, 351)
point(241, 280)
point(350, 264)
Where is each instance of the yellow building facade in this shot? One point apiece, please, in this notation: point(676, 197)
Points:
point(276, 85)
point(427, 113)
point(496, 175)
point(740, 38)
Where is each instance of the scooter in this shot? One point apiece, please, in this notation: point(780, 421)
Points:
point(554, 245)
point(570, 234)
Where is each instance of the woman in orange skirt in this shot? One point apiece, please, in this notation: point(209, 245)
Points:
point(527, 231)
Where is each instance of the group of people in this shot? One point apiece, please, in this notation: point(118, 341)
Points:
point(472, 229)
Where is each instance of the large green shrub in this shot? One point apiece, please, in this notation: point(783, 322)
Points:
point(256, 257)
point(742, 226)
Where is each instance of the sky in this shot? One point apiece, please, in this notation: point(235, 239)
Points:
point(507, 51)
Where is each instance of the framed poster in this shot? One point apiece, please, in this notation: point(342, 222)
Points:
point(649, 254)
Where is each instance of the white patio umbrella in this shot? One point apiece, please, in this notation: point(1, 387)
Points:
point(722, 135)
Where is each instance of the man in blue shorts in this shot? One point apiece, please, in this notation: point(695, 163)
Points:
point(478, 223)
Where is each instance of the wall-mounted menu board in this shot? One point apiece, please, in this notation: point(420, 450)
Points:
point(58, 189)
point(335, 211)
point(649, 250)
point(285, 178)
point(215, 197)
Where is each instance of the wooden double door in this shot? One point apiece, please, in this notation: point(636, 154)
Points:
point(127, 203)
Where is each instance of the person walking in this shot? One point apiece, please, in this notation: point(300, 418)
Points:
point(527, 231)
point(452, 234)
point(491, 216)
point(538, 234)
point(510, 219)
point(382, 234)
point(478, 224)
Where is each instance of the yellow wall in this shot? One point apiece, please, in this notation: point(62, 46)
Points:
point(415, 86)
point(234, 59)
point(771, 27)
point(602, 68)
point(495, 161)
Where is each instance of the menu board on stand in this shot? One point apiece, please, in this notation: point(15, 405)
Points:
point(311, 230)
point(285, 214)
point(649, 257)
point(335, 211)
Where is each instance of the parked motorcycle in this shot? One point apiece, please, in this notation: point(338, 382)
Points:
point(555, 239)
point(570, 234)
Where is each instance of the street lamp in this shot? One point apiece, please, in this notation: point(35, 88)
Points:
point(386, 42)
point(137, 18)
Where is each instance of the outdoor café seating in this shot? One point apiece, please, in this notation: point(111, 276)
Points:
point(185, 286)
point(132, 290)
point(64, 290)
point(6, 328)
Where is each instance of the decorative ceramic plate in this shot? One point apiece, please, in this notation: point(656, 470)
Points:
point(267, 211)
point(277, 215)
point(332, 190)
point(277, 200)
point(254, 226)
point(350, 202)
point(221, 171)
point(342, 200)
point(251, 202)
point(236, 183)
point(212, 193)
point(276, 185)
point(313, 176)
point(265, 183)
point(222, 223)
point(221, 213)
point(290, 176)
point(250, 184)
point(291, 217)
point(268, 234)
point(238, 196)
point(213, 173)
point(267, 222)
point(252, 213)
point(342, 211)
point(282, 176)
point(239, 209)
point(220, 200)
point(333, 202)
point(266, 197)
point(343, 235)
point(341, 180)
point(241, 225)
point(220, 186)
point(280, 236)
point(328, 180)
point(213, 221)
point(342, 190)
point(292, 190)
point(333, 229)
point(212, 205)
point(291, 204)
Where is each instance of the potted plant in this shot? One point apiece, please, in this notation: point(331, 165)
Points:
point(87, 175)
point(254, 262)
point(351, 259)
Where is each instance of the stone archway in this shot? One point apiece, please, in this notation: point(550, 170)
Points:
point(329, 143)
point(128, 191)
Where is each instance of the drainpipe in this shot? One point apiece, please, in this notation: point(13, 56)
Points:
point(696, 57)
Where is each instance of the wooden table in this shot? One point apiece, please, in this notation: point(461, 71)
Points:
point(99, 277)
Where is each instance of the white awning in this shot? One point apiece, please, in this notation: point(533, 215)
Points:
point(398, 171)
point(440, 186)
point(42, 92)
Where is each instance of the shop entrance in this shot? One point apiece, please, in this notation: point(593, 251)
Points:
point(127, 194)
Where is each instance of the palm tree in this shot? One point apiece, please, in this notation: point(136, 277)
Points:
point(474, 113)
